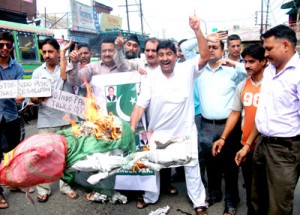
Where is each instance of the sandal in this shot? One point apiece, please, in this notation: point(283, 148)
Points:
point(141, 204)
point(72, 195)
point(201, 210)
point(42, 198)
point(229, 211)
point(3, 202)
point(96, 197)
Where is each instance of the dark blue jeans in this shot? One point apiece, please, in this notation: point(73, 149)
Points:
point(222, 164)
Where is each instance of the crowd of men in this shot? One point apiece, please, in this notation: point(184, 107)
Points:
point(240, 109)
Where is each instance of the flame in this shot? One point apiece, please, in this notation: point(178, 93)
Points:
point(106, 127)
point(75, 127)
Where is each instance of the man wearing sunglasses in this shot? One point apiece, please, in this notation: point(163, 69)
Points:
point(9, 122)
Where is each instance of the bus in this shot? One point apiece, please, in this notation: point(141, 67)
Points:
point(27, 39)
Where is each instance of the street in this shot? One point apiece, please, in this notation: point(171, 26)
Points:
point(61, 204)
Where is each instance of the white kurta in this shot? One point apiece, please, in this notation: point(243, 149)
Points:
point(170, 103)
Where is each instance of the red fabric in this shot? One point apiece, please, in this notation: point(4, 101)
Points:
point(38, 159)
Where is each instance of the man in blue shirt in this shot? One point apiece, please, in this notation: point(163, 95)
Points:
point(10, 134)
point(216, 87)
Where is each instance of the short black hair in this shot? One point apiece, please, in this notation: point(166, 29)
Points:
point(80, 45)
point(51, 41)
point(233, 37)
point(107, 39)
point(281, 32)
point(164, 44)
point(255, 50)
point(6, 35)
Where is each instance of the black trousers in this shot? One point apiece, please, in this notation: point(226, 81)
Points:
point(10, 135)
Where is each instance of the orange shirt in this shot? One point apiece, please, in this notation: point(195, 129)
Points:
point(249, 98)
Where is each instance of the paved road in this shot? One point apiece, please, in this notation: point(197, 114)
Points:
point(61, 204)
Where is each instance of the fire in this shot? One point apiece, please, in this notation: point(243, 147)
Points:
point(107, 127)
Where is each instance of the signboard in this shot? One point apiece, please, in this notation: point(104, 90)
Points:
point(25, 88)
point(83, 17)
point(110, 22)
point(66, 102)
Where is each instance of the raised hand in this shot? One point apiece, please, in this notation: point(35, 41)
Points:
point(194, 22)
point(74, 55)
point(216, 36)
point(120, 41)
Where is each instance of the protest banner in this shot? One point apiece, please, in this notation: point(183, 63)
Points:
point(67, 102)
point(25, 88)
point(126, 89)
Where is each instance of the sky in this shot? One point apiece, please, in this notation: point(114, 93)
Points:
point(169, 18)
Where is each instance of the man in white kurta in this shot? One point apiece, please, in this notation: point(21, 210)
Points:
point(168, 96)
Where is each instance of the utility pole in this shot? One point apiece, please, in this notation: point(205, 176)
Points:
point(127, 12)
point(267, 15)
point(141, 13)
point(262, 17)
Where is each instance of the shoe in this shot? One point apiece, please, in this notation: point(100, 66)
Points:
point(42, 198)
point(229, 211)
point(201, 210)
point(211, 202)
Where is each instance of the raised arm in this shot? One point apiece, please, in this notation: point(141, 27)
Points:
point(124, 65)
point(194, 22)
point(63, 59)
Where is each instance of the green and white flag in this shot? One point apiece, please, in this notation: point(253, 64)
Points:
point(117, 93)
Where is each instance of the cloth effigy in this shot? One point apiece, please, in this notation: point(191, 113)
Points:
point(36, 160)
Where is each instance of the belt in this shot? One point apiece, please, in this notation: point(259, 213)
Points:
point(215, 122)
point(279, 139)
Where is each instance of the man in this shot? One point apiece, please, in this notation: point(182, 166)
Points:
point(125, 65)
point(180, 55)
point(216, 86)
point(234, 48)
point(276, 158)
point(188, 50)
point(76, 76)
point(168, 95)
point(51, 120)
point(246, 99)
point(9, 122)
point(150, 66)
point(106, 65)
point(132, 47)
point(111, 94)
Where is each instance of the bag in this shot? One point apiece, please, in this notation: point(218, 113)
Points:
point(38, 159)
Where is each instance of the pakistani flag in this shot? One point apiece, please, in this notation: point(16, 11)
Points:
point(126, 96)
point(126, 86)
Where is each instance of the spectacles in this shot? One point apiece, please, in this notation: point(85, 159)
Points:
point(8, 45)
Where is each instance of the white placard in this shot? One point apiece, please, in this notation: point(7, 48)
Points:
point(25, 88)
point(67, 102)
